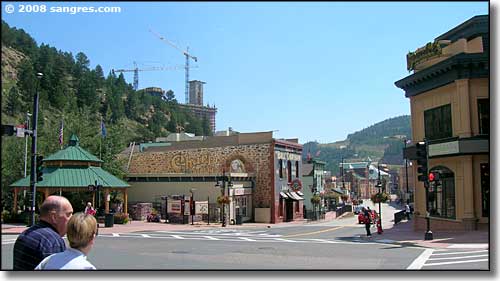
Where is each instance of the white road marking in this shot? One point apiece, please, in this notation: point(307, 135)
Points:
point(453, 253)
point(211, 238)
point(116, 235)
point(468, 246)
point(420, 260)
point(145, 236)
point(247, 239)
point(178, 237)
point(456, 258)
point(284, 240)
point(454, 262)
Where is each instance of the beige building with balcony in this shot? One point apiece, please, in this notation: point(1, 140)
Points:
point(449, 99)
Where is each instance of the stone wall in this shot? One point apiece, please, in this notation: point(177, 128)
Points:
point(256, 158)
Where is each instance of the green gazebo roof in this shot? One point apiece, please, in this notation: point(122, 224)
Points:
point(73, 152)
point(73, 177)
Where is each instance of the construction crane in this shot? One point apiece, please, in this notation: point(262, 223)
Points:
point(185, 53)
point(154, 68)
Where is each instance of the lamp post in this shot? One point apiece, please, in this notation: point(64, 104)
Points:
point(26, 154)
point(406, 169)
point(33, 148)
point(380, 192)
point(192, 190)
point(223, 193)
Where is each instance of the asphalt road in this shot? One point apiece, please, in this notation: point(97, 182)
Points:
point(334, 245)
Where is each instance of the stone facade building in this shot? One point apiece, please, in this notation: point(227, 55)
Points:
point(259, 167)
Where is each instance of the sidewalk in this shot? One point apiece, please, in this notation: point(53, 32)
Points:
point(403, 233)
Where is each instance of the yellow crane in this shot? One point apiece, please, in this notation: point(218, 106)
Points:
point(185, 53)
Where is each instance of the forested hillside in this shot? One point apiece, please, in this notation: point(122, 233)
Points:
point(73, 92)
point(370, 144)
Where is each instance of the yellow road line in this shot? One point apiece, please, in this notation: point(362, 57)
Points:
point(315, 232)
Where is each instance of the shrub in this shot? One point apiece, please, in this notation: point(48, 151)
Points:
point(121, 218)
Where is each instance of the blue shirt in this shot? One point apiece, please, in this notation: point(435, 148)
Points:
point(69, 259)
point(35, 244)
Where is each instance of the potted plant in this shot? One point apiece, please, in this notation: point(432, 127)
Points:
point(315, 199)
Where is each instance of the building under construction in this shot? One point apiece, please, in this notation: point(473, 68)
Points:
point(195, 103)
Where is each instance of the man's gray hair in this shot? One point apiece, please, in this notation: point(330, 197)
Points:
point(51, 204)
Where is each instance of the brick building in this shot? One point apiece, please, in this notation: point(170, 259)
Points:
point(264, 173)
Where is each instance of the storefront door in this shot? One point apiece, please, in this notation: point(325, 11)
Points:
point(289, 210)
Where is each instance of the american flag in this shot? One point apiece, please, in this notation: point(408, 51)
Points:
point(61, 133)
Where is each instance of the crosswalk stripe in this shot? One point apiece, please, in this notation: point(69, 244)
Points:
point(453, 253)
point(420, 261)
point(211, 238)
point(284, 240)
point(456, 258)
point(116, 235)
point(178, 237)
point(247, 239)
point(454, 262)
point(145, 236)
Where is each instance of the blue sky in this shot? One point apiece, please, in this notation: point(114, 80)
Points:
point(311, 70)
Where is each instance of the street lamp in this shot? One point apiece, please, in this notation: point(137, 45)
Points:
point(33, 148)
point(192, 190)
point(405, 142)
point(223, 179)
point(380, 192)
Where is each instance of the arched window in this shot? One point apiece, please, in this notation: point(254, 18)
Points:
point(442, 197)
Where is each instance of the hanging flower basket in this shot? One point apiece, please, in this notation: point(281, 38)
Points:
point(379, 197)
point(315, 199)
point(223, 200)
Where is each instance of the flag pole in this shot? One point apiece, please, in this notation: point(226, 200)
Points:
point(100, 141)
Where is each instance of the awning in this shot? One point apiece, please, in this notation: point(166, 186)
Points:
point(300, 193)
point(294, 196)
point(282, 194)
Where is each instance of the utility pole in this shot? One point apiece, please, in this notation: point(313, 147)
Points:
point(26, 154)
point(33, 149)
point(406, 169)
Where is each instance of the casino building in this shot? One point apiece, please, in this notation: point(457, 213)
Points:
point(262, 175)
point(449, 98)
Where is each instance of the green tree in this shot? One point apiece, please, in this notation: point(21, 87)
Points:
point(13, 105)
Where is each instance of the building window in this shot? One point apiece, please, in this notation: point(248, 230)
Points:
point(280, 212)
point(485, 189)
point(297, 169)
point(289, 170)
point(437, 123)
point(483, 108)
point(281, 168)
point(442, 197)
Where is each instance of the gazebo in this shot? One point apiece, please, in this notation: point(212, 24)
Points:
point(73, 169)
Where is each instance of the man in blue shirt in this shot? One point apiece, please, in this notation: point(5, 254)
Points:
point(44, 238)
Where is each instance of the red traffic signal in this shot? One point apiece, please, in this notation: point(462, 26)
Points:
point(433, 176)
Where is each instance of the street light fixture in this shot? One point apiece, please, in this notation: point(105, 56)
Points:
point(223, 179)
point(33, 148)
point(380, 192)
point(192, 190)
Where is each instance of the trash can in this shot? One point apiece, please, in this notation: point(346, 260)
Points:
point(239, 219)
point(109, 220)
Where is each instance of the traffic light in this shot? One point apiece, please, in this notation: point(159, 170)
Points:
point(435, 177)
point(422, 161)
point(39, 168)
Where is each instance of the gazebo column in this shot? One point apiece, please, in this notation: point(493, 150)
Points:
point(106, 201)
point(15, 200)
point(125, 201)
point(46, 193)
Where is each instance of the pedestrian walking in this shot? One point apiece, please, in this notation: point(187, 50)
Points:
point(45, 237)
point(407, 210)
point(82, 231)
point(367, 221)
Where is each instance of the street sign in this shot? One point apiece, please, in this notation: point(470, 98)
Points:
point(201, 207)
point(174, 206)
point(20, 131)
